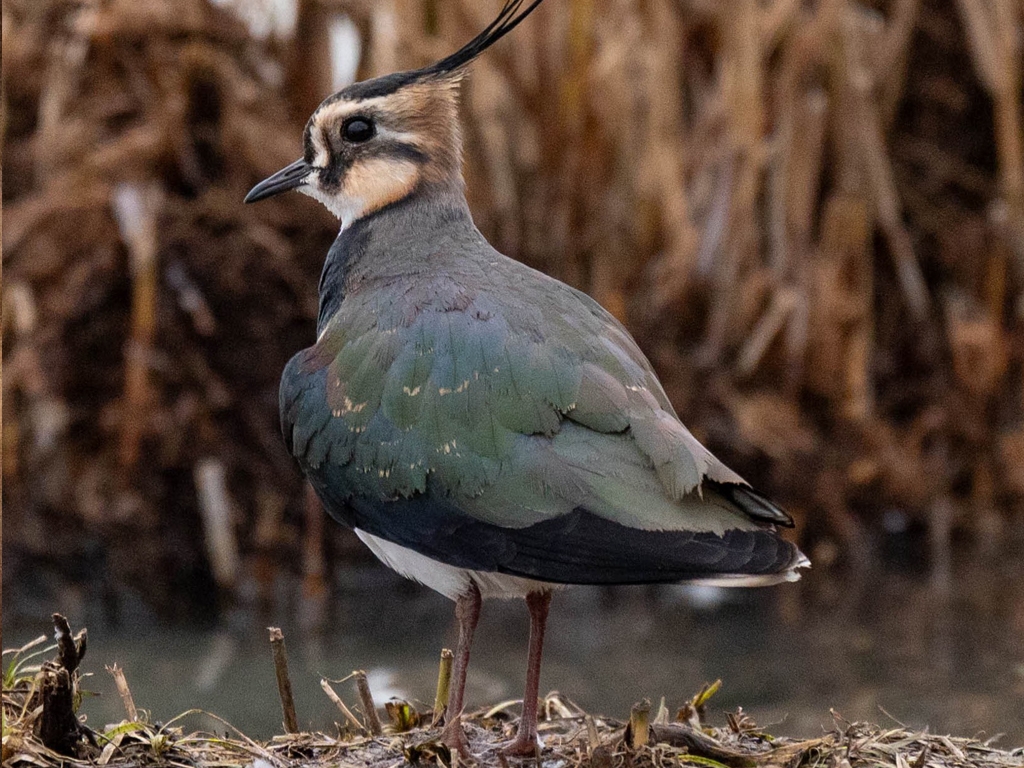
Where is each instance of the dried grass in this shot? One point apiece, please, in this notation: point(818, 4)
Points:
point(570, 737)
point(811, 215)
point(849, 745)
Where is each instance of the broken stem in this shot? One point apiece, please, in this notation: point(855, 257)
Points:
point(640, 724)
point(284, 683)
point(70, 649)
point(125, 693)
point(444, 683)
point(369, 710)
point(345, 711)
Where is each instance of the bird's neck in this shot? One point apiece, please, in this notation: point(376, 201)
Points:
point(397, 240)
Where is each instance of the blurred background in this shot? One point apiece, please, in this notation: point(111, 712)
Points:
point(810, 213)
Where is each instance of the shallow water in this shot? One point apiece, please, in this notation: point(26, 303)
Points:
point(883, 645)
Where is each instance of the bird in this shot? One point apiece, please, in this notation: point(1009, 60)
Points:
point(487, 430)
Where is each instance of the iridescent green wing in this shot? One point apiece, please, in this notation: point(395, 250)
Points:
point(518, 409)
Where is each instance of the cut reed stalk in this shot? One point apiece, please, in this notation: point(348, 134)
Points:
point(284, 681)
point(444, 684)
point(369, 708)
point(640, 724)
point(124, 692)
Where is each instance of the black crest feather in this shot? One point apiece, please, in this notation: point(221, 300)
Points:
point(507, 19)
point(512, 12)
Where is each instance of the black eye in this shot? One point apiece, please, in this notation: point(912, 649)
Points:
point(357, 129)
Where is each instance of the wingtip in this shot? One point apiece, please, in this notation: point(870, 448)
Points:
point(788, 575)
point(754, 504)
point(801, 562)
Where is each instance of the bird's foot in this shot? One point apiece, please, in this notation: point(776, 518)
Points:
point(454, 737)
point(525, 744)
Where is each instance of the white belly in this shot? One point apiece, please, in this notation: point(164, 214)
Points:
point(449, 580)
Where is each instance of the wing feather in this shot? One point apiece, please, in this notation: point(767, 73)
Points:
point(518, 416)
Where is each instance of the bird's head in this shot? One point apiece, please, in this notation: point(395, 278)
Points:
point(375, 142)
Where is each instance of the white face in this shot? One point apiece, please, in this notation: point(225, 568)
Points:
point(408, 133)
point(359, 163)
point(361, 155)
point(367, 185)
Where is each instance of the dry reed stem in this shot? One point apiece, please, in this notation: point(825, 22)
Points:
point(366, 699)
point(350, 718)
point(124, 692)
point(664, 161)
point(136, 208)
point(995, 45)
point(891, 56)
point(216, 510)
point(284, 682)
point(794, 187)
point(743, 98)
point(444, 684)
point(61, 83)
point(860, 396)
point(764, 333)
point(640, 724)
point(881, 183)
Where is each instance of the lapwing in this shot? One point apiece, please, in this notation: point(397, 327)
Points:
point(485, 429)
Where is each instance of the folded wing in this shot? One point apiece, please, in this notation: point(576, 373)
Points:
point(543, 432)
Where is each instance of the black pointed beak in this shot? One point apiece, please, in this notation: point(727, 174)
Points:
point(287, 178)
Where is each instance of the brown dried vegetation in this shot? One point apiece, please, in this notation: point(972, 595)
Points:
point(568, 734)
point(810, 213)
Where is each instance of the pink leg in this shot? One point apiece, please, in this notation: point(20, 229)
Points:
point(526, 738)
point(467, 613)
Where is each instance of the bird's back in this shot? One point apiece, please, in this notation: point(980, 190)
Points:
point(483, 414)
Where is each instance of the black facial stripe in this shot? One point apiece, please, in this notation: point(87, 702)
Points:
point(403, 151)
point(331, 176)
point(308, 150)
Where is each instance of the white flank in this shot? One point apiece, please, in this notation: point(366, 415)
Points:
point(449, 580)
